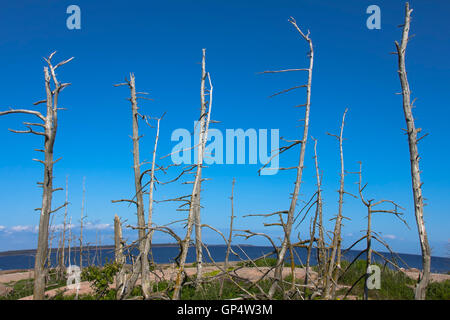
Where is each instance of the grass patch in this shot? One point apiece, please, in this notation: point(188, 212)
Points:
point(439, 290)
point(395, 285)
point(24, 288)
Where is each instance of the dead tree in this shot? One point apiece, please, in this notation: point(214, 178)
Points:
point(145, 281)
point(119, 258)
point(334, 265)
point(49, 124)
point(138, 199)
point(370, 204)
point(203, 136)
point(321, 258)
point(413, 140)
point(62, 262)
point(50, 246)
point(230, 237)
point(287, 226)
point(194, 202)
point(319, 224)
point(81, 222)
point(70, 240)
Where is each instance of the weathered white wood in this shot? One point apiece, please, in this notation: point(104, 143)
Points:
point(193, 218)
point(412, 132)
point(334, 265)
point(49, 126)
point(286, 244)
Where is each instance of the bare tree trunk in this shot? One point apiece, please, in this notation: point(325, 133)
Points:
point(334, 267)
point(298, 180)
point(369, 248)
point(70, 239)
point(49, 126)
point(230, 237)
point(321, 257)
point(81, 222)
point(317, 215)
point(58, 255)
point(412, 131)
point(62, 262)
point(49, 256)
point(119, 256)
point(96, 248)
point(341, 203)
point(371, 208)
point(309, 249)
point(200, 154)
point(141, 265)
point(137, 177)
point(101, 251)
point(194, 204)
point(146, 285)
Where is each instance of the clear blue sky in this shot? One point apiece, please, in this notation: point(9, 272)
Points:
point(161, 42)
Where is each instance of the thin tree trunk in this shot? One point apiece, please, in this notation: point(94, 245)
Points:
point(146, 285)
point(100, 245)
point(81, 222)
point(317, 215)
point(50, 129)
point(230, 237)
point(49, 256)
point(194, 204)
point(62, 262)
point(369, 248)
point(95, 259)
point(119, 256)
point(137, 178)
point(311, 240)
point(141, 265)
point(287, 230)
point(70, 239)
point(58, 255)
point(200, 154)
point(321, 257)
point(341, 203)
point(334, 267)
point(412, 131)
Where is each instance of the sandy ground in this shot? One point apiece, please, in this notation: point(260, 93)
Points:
point(169, 273)
point(252, 274)
point(436, 277)
point(8, 276)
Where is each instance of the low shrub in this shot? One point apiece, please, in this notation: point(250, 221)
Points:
point(101, 278)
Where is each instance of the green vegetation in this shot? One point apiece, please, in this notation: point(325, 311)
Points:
point(394, 285)
point(261, 262)
point(439, 290)
point(101, 278)
point(24, 288)
point(212, 273)
point(210, 291)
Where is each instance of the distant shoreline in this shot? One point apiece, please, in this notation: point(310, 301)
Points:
point(75, 249)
